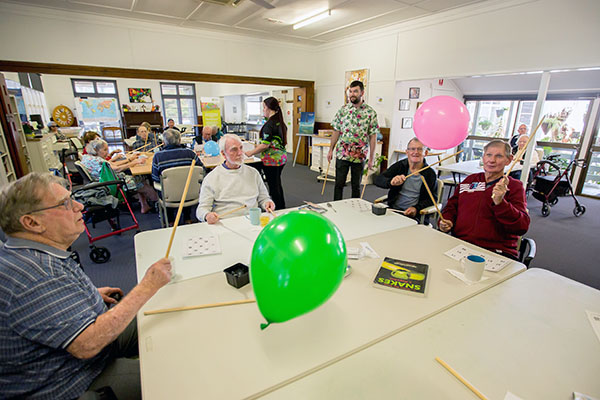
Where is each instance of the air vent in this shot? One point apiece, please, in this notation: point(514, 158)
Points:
point(220, 2)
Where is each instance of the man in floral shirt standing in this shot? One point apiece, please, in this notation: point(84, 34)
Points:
point(355, 131)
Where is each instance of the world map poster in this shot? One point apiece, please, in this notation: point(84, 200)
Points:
point(98, 109)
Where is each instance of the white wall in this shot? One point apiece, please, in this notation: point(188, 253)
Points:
point(44, 35)
point(399, 137)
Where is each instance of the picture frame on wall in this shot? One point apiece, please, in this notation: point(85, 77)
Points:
point(414, 92)
point(356, 75)
point(404, 105)
point(407, 123)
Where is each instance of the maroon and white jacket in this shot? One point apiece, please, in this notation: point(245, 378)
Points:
point(479, 221)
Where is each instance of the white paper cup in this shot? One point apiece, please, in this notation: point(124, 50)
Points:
point(473, 267)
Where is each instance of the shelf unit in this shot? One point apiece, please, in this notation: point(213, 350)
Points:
point(43, 157)
point(19, 128)
point(7, 171)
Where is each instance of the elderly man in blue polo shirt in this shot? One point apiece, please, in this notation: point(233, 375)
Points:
point(58, 340)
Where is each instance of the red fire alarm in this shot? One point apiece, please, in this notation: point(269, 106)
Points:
point(441, 82)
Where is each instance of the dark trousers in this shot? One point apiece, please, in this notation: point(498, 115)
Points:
point(341, 173)
point(122, 374)
point(273, 177)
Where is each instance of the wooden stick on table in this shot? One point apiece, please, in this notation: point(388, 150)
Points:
point(363, 191)
point(226, 303)
point(460, 378)
point(185, 190)
point(232, 211)
point(273, 213)
point(325, 177)
point(437, 162)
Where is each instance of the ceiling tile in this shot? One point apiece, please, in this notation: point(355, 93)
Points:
point(122, 4)
point(178, 9)
point(440, 5)
point(348, 13)
point(396, 17)
point(226, 15)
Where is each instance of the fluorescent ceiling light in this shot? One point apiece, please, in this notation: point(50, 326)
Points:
point(312, 19)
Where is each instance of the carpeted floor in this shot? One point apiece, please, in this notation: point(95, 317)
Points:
point(565, 244)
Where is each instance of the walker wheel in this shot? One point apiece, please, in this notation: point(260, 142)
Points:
point(579, 211)
point(99, 255)
point(545, 210)
point(554, 202)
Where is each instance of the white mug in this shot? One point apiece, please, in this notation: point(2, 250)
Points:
point(473, 267)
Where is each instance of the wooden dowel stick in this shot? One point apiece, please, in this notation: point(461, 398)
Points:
point(185, 190)
point(431, 196)
point(231, 211)
point(460, 378)
point(138, 149)
point(437, 162)
point(273, 213)
point(227, 303)
point(363, 191)
point(325, 178)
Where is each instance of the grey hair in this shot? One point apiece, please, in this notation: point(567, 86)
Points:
point(172, 136)
point(224, 139)
point(499, 143)
point(23, 196)
point(214, 130)
point(416, 139)
point(95, 146)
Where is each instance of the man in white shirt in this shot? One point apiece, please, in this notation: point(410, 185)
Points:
point(231, 185)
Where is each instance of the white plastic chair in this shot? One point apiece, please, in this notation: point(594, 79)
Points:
point(172, 183)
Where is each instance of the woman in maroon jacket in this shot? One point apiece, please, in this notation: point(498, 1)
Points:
point(489, 209)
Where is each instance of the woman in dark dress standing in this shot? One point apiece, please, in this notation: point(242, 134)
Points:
point(272, 146)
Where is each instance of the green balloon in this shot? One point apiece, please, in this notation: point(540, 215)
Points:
point(298, 262)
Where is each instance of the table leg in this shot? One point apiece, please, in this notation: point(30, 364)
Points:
point(297, 149)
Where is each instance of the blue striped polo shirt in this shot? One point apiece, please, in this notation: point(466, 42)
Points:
point(46, 301)
point(172, 156)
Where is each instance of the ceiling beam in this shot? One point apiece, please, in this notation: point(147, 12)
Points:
point(111, 72)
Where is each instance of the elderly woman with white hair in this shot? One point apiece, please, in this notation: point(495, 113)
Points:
point(96, 157)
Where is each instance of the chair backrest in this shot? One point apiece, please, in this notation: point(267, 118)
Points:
point(440, 190)
point(83, 171)
point(112, 133)
point(173, 180)
point(527, 250)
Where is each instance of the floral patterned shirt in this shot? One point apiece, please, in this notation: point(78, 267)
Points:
point(355, 125)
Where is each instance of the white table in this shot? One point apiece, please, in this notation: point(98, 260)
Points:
point(529, 335)
point(222, 353)
point(236, 235)
point(469, 167)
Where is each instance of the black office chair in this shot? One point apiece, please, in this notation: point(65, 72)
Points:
point(526, 251)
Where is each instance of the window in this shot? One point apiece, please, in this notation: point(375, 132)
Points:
point(254, 111)
point(179, 103)
point(94, 88)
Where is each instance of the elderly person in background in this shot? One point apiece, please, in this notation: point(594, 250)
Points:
point(145, 139)
point(409, 195)
point(209, 133)
point(521, 131)
point(535, 158)
point(489, 209)
point(231, 185)
point(173, 155)
point(171, 124)
point(96, 157)
point(58, 339)
point(88, 136)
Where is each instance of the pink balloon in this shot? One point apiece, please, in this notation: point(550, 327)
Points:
point(442, 122)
